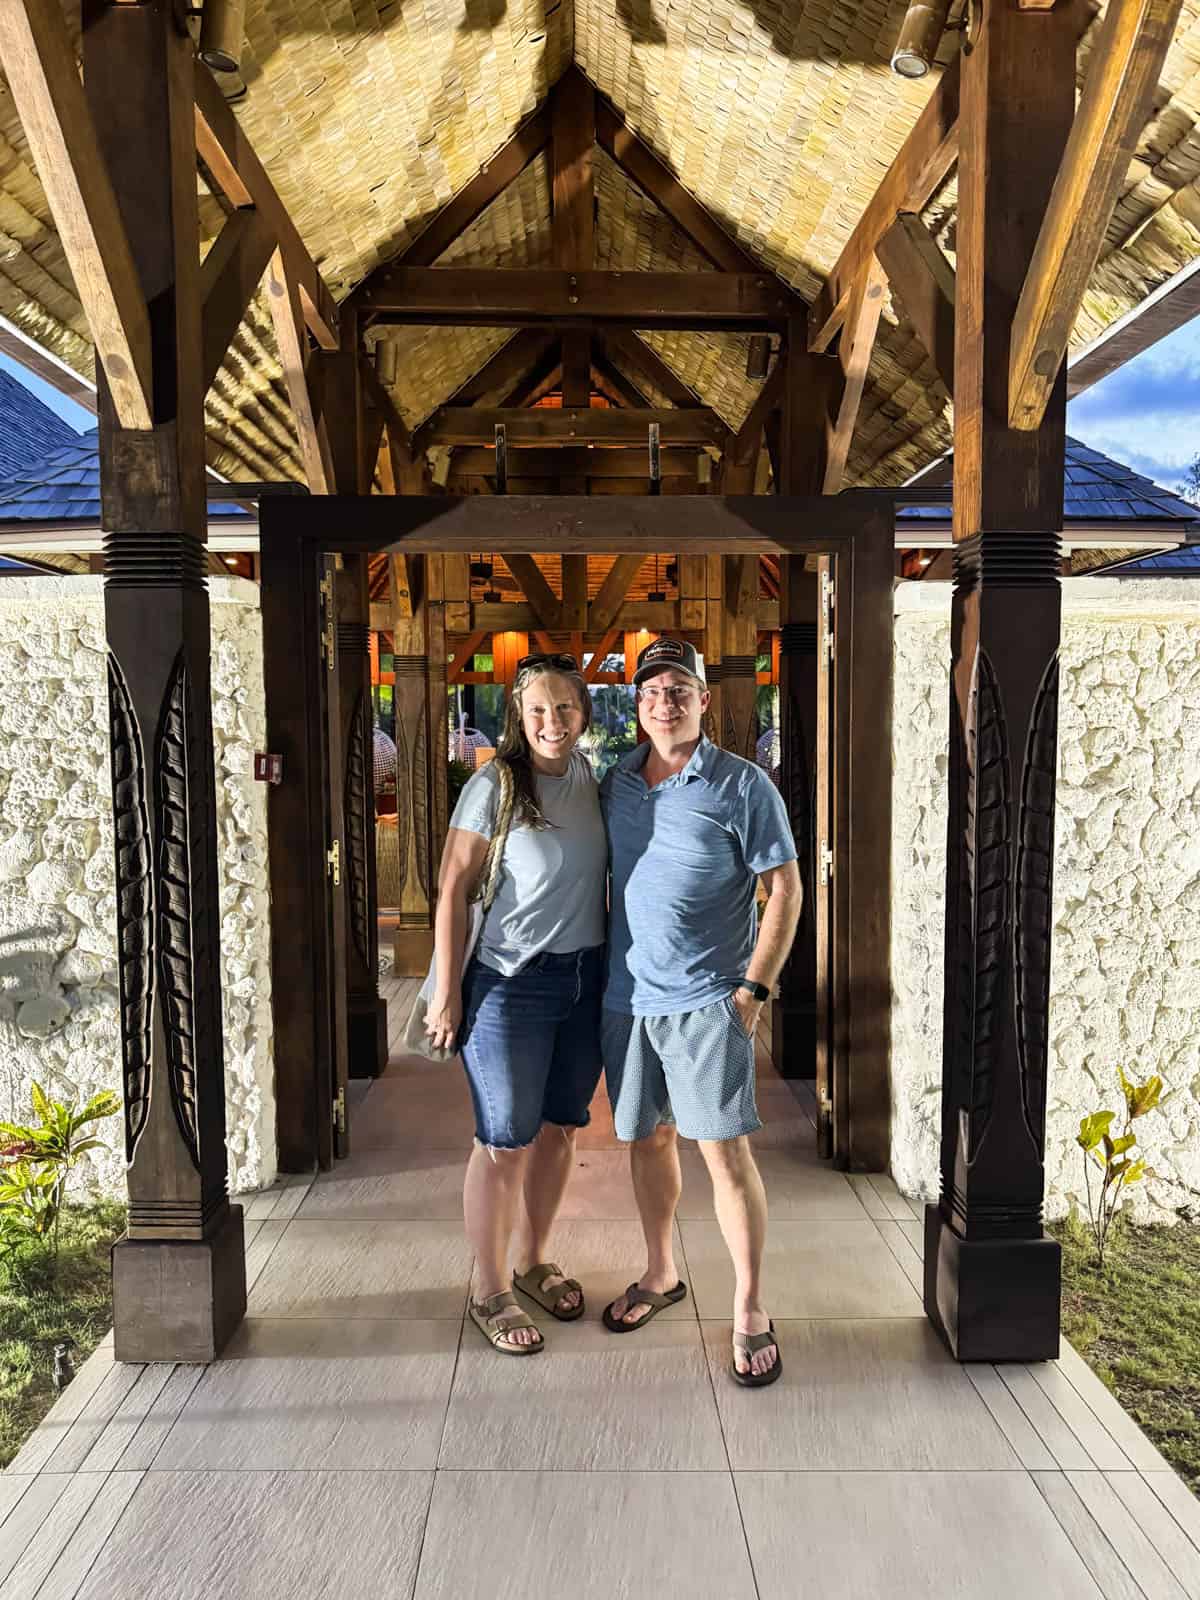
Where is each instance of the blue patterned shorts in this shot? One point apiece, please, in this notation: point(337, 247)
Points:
point(694, 1068)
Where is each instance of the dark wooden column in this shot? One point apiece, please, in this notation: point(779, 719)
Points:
point(739, 654)
point(415, 754)
point(179, 1284)
point(992, 1278)
point(793, 1025)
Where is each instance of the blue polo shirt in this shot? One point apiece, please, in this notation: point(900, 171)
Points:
point(684, 857)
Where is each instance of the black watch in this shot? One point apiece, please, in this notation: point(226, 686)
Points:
point(758, 990)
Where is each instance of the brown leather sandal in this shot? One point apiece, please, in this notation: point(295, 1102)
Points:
point(533, 1282)
point(497, 1316)
point(751, 1344)
point(634, 1296)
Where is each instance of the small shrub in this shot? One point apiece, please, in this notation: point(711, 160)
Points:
point(1117, 1159)
point(37, 1159)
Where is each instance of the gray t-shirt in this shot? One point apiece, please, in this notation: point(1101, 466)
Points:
point(551, 893)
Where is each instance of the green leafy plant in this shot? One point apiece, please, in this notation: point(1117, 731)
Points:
point(1120, 1164)
point(37, 1159)
point(457, 775)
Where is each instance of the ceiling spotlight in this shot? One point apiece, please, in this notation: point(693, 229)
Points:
point(920, 34)
point(492, 597)
point(222, 27)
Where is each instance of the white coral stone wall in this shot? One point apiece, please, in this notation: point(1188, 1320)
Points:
point(1125, 975)
point(59, 1018)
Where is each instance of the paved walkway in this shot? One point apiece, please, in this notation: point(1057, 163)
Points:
point(357, 1440)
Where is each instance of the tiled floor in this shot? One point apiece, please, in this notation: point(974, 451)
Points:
point(358, 1439)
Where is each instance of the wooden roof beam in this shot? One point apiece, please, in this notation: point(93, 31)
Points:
point(599, 426)
point(287, 313)
point(230, 157)
point(39, 64)
point(614, 385)
point(854, 353)
point(498, 296)
point(1124, 72)
point(922, 280)
point(613, 592)
point(229, 277)
point(650, 364)
point(547, 607)
point(918, 162)
point(739, 464)
point(574, 461)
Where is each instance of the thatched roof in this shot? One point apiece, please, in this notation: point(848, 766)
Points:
point(780, 119)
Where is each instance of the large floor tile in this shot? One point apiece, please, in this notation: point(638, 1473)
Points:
point(591, 1401)
point(606, 1257)
point(428, 1110)
point(389, 1186)
point(600, 1188)
point(800, 1187)
point(907, 1535)
point(365, 1269)
point(305, 1394)
point(613, 1535)
point(246, 1535)
point(857, 1396)
point(810, 1269)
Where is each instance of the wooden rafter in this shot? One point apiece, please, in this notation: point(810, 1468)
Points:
point(463, 653)
point(283, 298)
point(1124, 72)
point(854, 353)
point(600, 426)
point(229, 277)
point(498, 297)
point(922, 280)
point(604, 649)
point(542, 379)
point(613, 592)
point(528, 577)
point(575, 461)
point(43, 79)
point(918, 158)
point(614, 385)
point(650, 364)
point(739, 464)
point(230, 157)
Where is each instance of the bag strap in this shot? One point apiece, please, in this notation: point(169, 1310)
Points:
point(489, 876)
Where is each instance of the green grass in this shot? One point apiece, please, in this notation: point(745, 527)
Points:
point(1137, 1325)
point(39, 1309)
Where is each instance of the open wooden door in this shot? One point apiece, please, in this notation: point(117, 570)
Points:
point(824, 838)
point(335, 855)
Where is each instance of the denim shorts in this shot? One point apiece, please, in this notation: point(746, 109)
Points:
point(531, 1045)
point(695, 1069)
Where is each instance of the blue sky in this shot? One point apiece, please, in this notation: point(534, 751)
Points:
point(1147, 414)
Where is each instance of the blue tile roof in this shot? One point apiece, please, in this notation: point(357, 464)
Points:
point(1181, 563)
point(29, 430)
point(1096, 489)
point(65, 487)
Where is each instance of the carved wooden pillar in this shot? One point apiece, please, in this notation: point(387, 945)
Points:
point(739, 657)
point(414, 837)
point(714, 636)
point(793, 1026)
point(179, 1286)
point(992, 1278)
point(367, 1033)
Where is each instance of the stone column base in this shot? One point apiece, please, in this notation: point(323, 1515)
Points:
point(368, 1041)
point(177, 1299)
point(992, 1299)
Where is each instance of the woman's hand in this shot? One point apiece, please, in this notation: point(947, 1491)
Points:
point(443, 1018)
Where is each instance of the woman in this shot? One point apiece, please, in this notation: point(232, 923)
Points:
point(529, 1002)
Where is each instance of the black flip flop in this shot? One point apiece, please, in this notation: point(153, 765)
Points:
point(642, 1297)
point(751, 1344)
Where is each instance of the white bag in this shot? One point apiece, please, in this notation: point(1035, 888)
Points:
point(415, 1041)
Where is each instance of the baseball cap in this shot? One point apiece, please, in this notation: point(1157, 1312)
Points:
point(667, 652)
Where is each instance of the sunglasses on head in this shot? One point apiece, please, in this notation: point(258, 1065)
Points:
point(549, 658)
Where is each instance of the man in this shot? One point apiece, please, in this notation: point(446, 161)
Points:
point(691, 828)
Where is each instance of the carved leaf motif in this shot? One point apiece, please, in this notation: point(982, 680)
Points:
point(135, 903)
point(403, 802)
point(355, 804)
point(420, 799)
point(989, 867)
point(181, 900)
point(1034, 908)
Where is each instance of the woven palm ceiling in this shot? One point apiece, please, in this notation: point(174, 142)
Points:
point(781, 116)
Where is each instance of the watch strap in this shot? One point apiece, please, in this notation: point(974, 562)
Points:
point(758, 990)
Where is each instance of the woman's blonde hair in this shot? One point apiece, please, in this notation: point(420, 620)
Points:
point(514, 746)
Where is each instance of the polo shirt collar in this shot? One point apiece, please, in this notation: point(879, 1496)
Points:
point(700, 763)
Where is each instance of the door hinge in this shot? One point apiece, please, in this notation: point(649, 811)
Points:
point(339, 1111)
point(333, 861)
point(825, 862)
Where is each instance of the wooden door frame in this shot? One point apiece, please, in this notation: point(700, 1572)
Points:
point(855, 528)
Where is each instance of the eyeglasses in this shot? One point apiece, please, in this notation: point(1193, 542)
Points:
point(549, 658)
point(674, 694)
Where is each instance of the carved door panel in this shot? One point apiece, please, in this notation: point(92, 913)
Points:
point(336, 857)
point(825, 843)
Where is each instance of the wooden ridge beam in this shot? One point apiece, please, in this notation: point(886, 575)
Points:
point(39, 64)
point(230, 157)
point(897, 192)
point(598, 426)
point(1122, 77)
point(651, 365)
point(502, 296)
point(229, 277)
point(574, 461)
point(655, 179)
point(547, 607)
point(614, 591)
point(922, 281)
point(854, 353)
